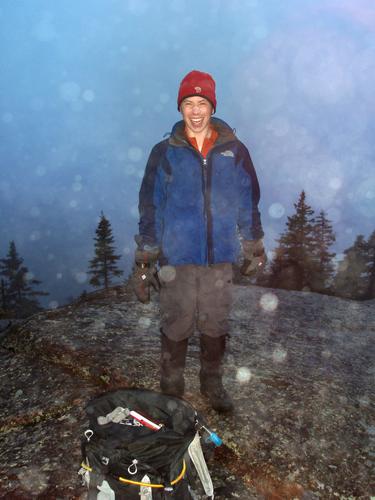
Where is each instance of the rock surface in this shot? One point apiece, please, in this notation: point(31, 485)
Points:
point(300, 368)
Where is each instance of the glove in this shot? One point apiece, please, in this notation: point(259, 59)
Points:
point(255, 257)
point(145, 275)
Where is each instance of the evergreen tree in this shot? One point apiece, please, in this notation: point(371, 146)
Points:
point(352, 278)
point(294, 261)
point(18, 294)
point(370, 292)
point(324, 238)
point(104, 265)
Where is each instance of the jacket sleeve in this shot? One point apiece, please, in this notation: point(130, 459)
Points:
point(151, 201)
point(249, 223)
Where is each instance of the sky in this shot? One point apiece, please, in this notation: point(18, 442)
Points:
point(87, 87)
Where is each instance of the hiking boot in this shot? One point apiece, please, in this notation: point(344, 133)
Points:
point(212, 354)
point(173, 386)
point(212, 388)
point(173, 356)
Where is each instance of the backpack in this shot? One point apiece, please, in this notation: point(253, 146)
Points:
point(144, 445)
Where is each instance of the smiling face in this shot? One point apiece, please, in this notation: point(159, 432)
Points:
point(196, 112)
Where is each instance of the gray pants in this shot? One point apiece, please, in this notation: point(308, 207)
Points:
point(195, 296)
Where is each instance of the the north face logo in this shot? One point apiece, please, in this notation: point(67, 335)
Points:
point(228, 152)
point(198, 90)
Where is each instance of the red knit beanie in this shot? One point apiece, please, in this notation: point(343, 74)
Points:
point(197, 83)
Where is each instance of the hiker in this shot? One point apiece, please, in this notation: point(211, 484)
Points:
point(198, 208)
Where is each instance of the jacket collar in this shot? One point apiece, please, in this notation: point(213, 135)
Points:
point(225, 133)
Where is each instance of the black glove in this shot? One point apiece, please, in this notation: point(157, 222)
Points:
point(145, 275)
point(255, 257)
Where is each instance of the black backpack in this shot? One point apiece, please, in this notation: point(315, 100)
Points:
point(144, 445)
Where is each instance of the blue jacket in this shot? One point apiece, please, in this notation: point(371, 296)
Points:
point(195, 210)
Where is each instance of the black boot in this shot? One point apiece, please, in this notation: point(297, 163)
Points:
point(212, 354)
point(173, 356)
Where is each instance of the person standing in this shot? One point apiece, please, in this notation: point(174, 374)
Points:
point(198, 207)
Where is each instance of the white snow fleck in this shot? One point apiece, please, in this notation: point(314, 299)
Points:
point(243, 375)
point(70, 91)
point(276, 210)
point(40, 170)
point(335, 183)
point(34, 480)
point(88, 95)
point(279, 355)
point(44, 31)
point(144, 322)
point(53, 304)
point(269, 302)
point(29, 276)
point(137, 111)
point(7, 117)
point(219, 283)
point(59, 276)
point(80, 277)
point(135, 153)
point(35, 236)
point(34, 212)
point(167, 273)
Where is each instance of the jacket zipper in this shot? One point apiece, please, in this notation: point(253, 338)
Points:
point(207, 210)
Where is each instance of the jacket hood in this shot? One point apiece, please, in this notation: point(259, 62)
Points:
point(225, 132)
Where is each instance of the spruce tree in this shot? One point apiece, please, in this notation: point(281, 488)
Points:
point(370, 292)
point(18, 294)
point(352, 278)
point(293, 264)
point(104, 265)
point(324, 269)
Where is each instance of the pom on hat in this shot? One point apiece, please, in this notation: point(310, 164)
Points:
point(197, 83)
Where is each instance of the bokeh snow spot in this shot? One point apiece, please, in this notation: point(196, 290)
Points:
point(73, 204)
point(88, 95)
point(34, 212)
point(33, 480)
point(144, 322)
point(29, 276)
point(167, 273)
point(276, 210)
point(137, 111)
point(35, 236)
point(269, 302)
point(59, 276)
point(335, 183)
point(44, 30)
point(135, 153)
point(70, 91)
point(279, 355)
point(40, 171)
point(53, 304)
point(7, 117)
point(77, 186)
point(243, 375)
point(80, 277)
point(219, 283)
